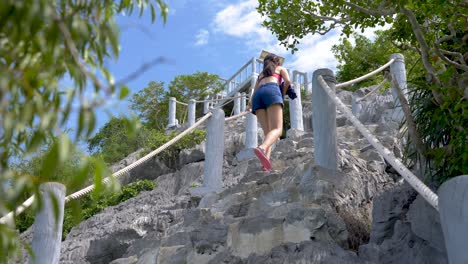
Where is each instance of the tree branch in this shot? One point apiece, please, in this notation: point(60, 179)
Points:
point(424, 52)
point(463, 4)
point(372, 12)
point(461, 66)
point(412, 129)
point(324, 18)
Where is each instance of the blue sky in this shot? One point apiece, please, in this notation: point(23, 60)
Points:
point(216, 36)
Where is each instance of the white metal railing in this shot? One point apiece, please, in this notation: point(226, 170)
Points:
point(242, 76)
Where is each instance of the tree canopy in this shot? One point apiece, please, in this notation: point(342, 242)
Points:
point(366, 55)
point(42, 42)
point(151, 103)
point(436, 29)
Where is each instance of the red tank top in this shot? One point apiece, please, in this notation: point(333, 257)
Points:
point(276, 75)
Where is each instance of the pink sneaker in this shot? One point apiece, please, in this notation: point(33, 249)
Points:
point(263, 158)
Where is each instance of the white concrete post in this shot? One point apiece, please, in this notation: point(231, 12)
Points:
point(172, 112)
point(453, 209)
point(324, 121)
point(214, 151)
point(237, 104)
point(306, 84)
point(254, 66)
point(206, 105)
point(398, 71)
point(48, 224)
point(191, 112)
point(243, 103)
point(295, 106)
point(251, 131)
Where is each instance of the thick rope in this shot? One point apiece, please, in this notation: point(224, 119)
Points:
point(417, 184)
point(140, 161)
point(220, 99)
point(371, 92)
point(181, 103)
point(9, 217)
point(119, 173)
point(236, 116)
point(370, 74)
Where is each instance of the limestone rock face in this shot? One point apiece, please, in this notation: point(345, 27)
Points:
point(405, 230)
point(297, 213)
point(150, 170)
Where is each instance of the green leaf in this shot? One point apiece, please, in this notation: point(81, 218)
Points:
point(124, 91)
point(49, 166)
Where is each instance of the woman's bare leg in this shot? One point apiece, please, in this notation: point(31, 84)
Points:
point(274, 116)
point(263, 120)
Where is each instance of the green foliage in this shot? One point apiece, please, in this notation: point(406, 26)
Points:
point(152, 105)
point(112, 143)
point(116, 139)
point(292, 20)
point(42, 42)
point(170, 156)
point(65, 172)
point(443, 128)
point(365, 56)
point(194, 86)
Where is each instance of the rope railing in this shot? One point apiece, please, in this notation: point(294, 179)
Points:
point(181, 103)
point(115, 175)
point(141, 160)
point(371, 92)
point(26, 204)
point(414, 181)
point(236, 116)
point(220, 99)
point(341, 85)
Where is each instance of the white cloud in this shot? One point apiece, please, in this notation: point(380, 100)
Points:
point(202, 37)
point(242, 21)
point(314, 52)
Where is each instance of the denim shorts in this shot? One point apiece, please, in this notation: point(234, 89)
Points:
point(266, 95)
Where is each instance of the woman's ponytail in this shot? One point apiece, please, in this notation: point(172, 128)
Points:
point(269, 65)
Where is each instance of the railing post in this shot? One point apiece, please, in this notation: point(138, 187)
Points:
point(398, 71)
point(453, 209)
point(206, 105)
point(306, 83)
point(254, 66)
point(172, 112)
point(251, 130)
point(191, 112)
point(214, 153)
point(48, 224)
point(295, 106)
point(324, 121)
point(237, 104)
point(243, 102)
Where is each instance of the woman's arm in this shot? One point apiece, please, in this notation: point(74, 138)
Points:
point(249, 105)
point(287, 82)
